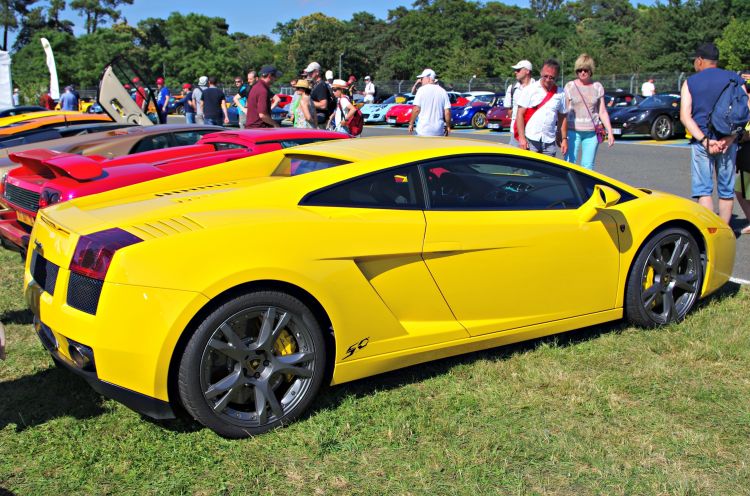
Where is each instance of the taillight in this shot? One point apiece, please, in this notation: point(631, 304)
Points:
point(94, 252)
point(48, 197)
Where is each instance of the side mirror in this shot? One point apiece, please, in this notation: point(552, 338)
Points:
point(602, 197)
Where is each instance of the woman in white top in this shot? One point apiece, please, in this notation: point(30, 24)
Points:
point(344, 108)
point(584, 100)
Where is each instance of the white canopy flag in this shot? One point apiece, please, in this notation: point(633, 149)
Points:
point(6, 90)
point(54, 87)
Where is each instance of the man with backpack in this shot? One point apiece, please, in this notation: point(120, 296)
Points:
point(711, 109)
point(321, 94)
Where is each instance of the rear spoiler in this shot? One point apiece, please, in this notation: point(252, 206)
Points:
point(42, 162)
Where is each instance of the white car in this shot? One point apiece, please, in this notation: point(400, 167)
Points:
point(374, 113)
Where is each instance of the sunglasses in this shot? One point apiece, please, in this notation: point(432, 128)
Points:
point(516, 70)
point(578, 71)
point(238, 82)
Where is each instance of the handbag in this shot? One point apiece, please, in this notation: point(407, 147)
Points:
point(601, 133)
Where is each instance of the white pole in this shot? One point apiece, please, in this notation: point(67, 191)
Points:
point(54, 86)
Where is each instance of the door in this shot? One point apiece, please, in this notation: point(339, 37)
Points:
point(508, 247)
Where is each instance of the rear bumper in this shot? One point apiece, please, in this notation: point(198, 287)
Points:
point(13, 236)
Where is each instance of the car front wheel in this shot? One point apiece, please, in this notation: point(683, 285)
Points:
point(662, 128)
point(665, 280)
point(479, 121)
point(255, 363)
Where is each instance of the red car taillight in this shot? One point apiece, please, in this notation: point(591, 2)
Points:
point(48, 197)
point(94, 252)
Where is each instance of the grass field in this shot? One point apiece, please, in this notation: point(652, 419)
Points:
point(604, 410)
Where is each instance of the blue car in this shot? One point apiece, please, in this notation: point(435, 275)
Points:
point(474, 114)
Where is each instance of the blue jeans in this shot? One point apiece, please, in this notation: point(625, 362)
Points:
point(704, 166)
point(586, 142)
point(212, 122)
point(190, 117)
point(543, 148)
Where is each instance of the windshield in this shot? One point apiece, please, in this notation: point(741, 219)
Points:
point(660, 101)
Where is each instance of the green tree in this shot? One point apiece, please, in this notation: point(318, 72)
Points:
point(98, 11)
point(9, 12)
point(734, 45)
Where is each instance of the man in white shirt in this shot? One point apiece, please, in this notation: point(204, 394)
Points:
point(542, 119)
point(369, 90)
point(648, 88)
point(510, 101)
point(432, 106)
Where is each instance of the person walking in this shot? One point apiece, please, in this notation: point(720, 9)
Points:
point(198, 99)
point(344, 107)
point(370, 90)
point(214, 104)
point(16, 97)
point(240, 99)
point(259, 100)
point(46, 101)
point(162, 100)
point(320, 94)
point(522, 72)
point(302, 109)
point(188, 106)
point(351, 86)
point(541, 120)
point(587, 115)
point(648, 88)
point(432, 106)
point(68, 100)
point(709, 153)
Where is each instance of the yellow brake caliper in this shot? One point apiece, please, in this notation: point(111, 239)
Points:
point(285, 345)
point(649, 281)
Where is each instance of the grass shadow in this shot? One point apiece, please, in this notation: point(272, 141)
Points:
point(334, 396)
point(35, 399)
point(21, 317)
point(5, 492)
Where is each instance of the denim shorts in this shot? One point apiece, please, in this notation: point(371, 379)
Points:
point(704, 166)
point(543, 148)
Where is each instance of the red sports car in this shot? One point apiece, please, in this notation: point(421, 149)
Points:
point(46, 177)
point(498, 118)
point(399, 115)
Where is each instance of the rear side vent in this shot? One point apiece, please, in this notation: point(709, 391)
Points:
point(195, 188)
point(165, 227)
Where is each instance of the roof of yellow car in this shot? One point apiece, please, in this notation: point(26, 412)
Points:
point(358, 149)
point(4, 121)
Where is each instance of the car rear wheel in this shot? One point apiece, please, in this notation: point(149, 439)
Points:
point(662, 128)
point(665, 280)
point(255, 363)
point(479, 121)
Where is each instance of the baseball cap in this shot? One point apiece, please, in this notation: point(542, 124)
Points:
point(329, 74)
point(522, 64)
point(339, 83)
point(136, 79)
point(269, 69)
point(312, 66)
point(203, 81)
point(427, 73)
point(186, 86)
point(367, 78)
point(707, 51)
point(160, 80)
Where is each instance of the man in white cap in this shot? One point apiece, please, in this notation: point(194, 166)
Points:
point(432, 106)
point(198, 99)
point(329, 77)
point(320, 94)
point(523, 79)
point(369, 90)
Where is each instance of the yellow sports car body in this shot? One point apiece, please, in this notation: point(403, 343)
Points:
point(240, 289)
point(13, 119)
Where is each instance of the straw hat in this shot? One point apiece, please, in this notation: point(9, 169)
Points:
point(302, 83)
point(339, 83)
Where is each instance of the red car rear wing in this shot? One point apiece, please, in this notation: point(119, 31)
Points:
point(41, 162)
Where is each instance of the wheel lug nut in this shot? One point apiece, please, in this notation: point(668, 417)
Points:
point(266, 363)
point(257, 375)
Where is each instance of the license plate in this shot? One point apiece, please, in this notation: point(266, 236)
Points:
point(616, 130)
point(391, 120)
point(493, 125)
point(25, 219)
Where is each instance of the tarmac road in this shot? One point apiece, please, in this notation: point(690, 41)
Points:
point(645, 163)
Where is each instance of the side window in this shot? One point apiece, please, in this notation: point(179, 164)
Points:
point(184, 138)
point(499, 183)
point(151, 143)
point(300, 141)
point(395, 189)
point(228, 146)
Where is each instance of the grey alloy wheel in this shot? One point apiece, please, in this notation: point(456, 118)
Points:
point(665, 280)
point(254, 364)
point(662, 128)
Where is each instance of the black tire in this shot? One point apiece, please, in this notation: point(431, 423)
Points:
point(235, 360)
point(662, 128)
point(665, 280)
point(181, 110)
point(479, 121)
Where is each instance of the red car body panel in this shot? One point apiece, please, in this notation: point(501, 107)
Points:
point(499, 115)
point(402, 112)
point(45, 175)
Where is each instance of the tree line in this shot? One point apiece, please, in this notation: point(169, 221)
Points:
point(457, 38)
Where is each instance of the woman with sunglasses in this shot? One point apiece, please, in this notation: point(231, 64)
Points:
point(587, 115)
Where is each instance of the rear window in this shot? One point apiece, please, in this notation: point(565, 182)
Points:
point(295, 165)
point(218, 146)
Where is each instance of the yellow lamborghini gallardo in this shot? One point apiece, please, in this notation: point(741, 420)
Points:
point(239, 290)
